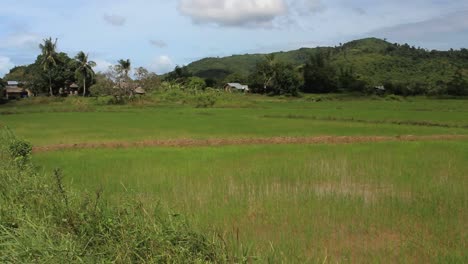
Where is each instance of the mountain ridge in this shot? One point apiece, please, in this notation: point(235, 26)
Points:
point(372, 59)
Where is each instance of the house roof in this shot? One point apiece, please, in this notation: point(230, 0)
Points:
point(381, 87)
point(12, 83)
point(74, 85)
point(238, 86)
point(140, 90)
point(11, 89)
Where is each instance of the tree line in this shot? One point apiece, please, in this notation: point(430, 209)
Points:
point(53, 70)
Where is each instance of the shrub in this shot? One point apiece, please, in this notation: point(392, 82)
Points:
point(20, 149)
point(205, 100)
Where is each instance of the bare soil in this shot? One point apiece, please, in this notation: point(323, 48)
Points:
point(246, 141)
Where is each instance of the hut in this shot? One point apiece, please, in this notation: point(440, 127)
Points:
point(139, 91)
point(13, 91)
point(73, 89)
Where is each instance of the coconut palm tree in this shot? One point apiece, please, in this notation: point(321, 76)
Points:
point(124, 67)
point(49, 58)
point(85, 68)
point(268, 70)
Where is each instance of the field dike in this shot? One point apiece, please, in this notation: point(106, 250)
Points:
point(245, 141)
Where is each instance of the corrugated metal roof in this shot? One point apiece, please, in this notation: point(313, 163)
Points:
point(238, 86)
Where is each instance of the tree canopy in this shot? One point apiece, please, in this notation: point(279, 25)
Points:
point(84, 70)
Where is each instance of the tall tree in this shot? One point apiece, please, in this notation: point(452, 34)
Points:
point(285, 80)
point(85, 68)
point(141, 73)
point(179, 75)
point(319, 76)
point(124, 66)
point(267, 70)
point(49, 59)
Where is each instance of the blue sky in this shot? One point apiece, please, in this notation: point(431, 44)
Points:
point(159, 34)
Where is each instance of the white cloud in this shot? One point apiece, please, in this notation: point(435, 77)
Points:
point(233, 12)
point(162, 64)
point(115, 20)
point(102, 65)
point(21, 40)
point(5, 65)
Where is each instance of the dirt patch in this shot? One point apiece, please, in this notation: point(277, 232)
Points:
point(392, 122)
point(246, 141)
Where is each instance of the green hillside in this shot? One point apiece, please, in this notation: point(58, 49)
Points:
point(373, 60)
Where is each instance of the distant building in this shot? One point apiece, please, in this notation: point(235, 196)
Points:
point(139, 91)
point(229, 87)
point(73, 89)
point(13, 91)
point(379, 89)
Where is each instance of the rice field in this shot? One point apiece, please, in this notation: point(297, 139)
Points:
point(364, 202)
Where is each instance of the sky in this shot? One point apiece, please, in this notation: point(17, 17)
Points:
point(160, 34)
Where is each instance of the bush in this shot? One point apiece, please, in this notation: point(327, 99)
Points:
point(20, 149)
point(205, 100)
point(13, 148)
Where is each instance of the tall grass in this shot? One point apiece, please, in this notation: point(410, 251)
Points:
point(43, 222)
point(370, 202)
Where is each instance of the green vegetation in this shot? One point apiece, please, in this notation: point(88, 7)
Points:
point(397, 202)
point(42, 222)
point(361, 202)
point(372, 62)
point(85, 69)
point(357, 67)
point(53, 71)
point(75, 120)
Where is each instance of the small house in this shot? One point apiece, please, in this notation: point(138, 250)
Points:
point(139, 91)
point(73, 89)
point(229, 87)
point(13, 91)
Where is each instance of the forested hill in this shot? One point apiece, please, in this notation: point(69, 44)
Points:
point(372, 60)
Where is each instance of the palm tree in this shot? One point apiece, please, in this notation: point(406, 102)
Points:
point(268, 70)
point(85, 68)
point(124, 67)
point(49, 58)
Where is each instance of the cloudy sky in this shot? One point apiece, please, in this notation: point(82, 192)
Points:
point(159, 34)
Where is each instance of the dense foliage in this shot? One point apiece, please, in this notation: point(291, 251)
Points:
point(355, 66)
point(38, 80)
point(53, 72)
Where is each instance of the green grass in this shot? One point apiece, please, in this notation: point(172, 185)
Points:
point(369, 202)
point(42, 221)
point(398, 202)
point(266, 119)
